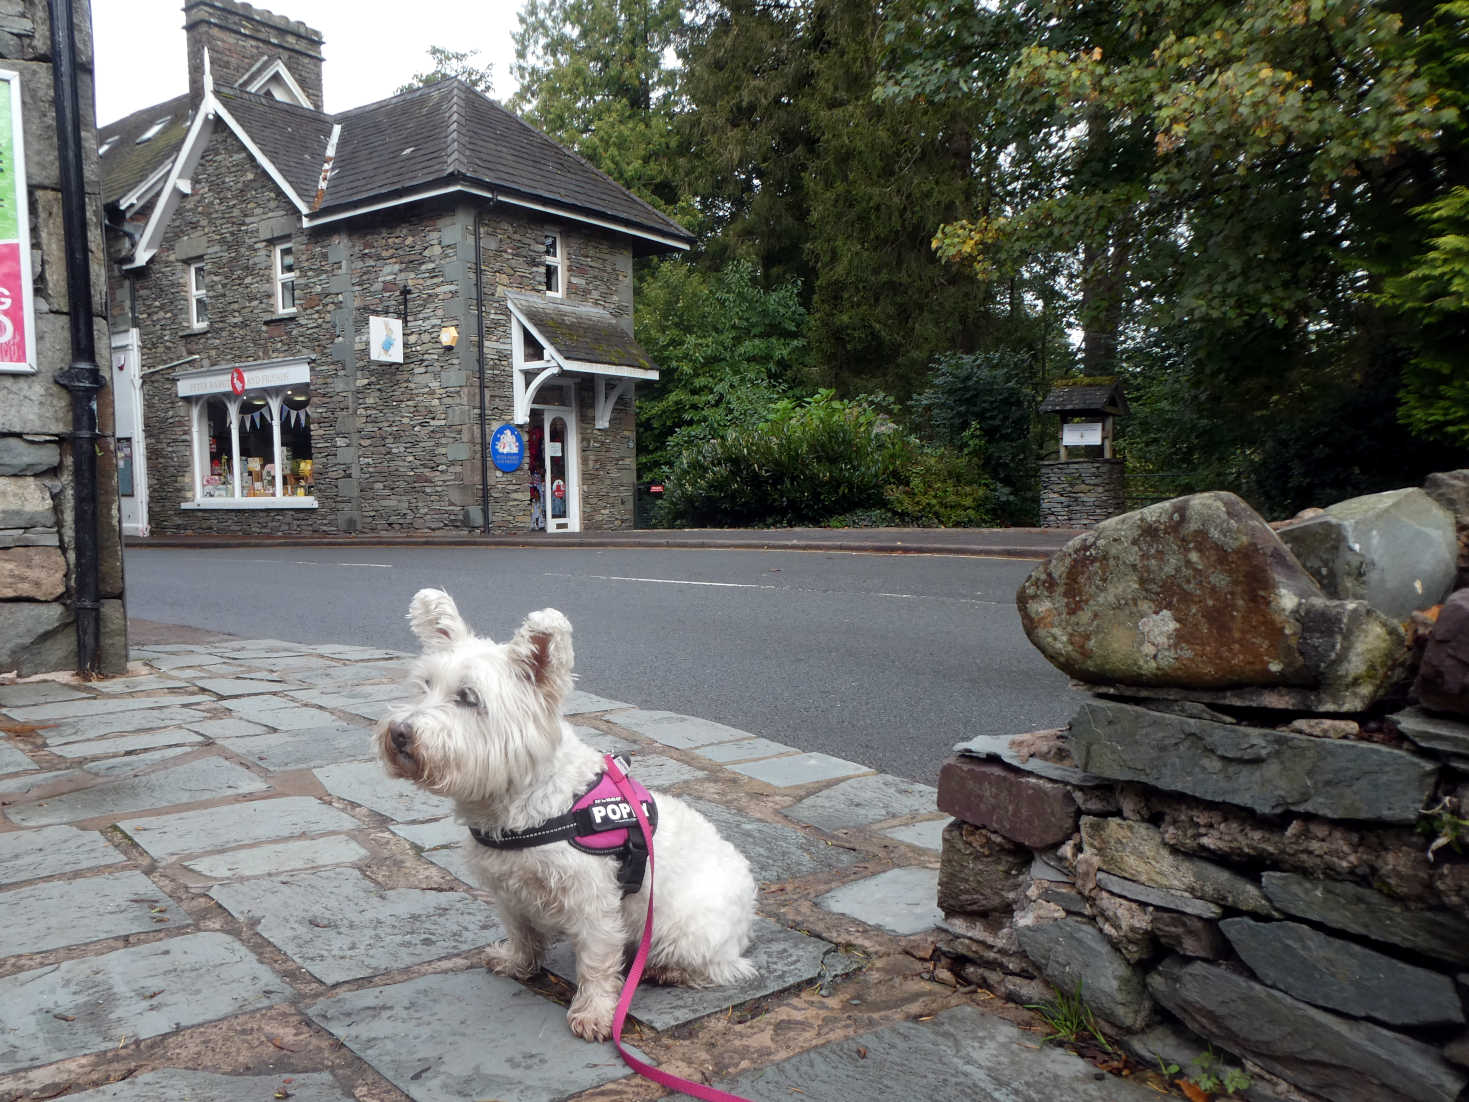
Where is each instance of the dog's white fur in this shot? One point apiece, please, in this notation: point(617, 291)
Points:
point(486, 731)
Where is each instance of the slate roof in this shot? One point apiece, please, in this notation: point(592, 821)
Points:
point(582, 333)
point(293, 138)
point(126, 164)
point(1085, 396)
point(443, 135)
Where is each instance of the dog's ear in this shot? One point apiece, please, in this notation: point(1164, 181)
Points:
point(542, 648)
point(435, 619)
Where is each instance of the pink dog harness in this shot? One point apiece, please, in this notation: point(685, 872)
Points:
point(600, 821)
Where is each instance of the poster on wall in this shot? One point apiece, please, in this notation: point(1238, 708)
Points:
point(385, 340)
point(17, 311)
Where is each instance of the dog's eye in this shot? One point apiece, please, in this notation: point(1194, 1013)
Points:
point(468, 697)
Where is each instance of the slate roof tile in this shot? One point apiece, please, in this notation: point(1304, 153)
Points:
point(582, 333)
point(126, 164)
point(292, 138)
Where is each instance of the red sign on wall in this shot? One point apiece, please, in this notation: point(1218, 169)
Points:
point(237, 381)
point(17, 339)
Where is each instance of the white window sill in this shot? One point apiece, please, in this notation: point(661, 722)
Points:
point(250, 503)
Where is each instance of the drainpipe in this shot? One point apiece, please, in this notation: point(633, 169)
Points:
point(82, 378)
point(484, 430)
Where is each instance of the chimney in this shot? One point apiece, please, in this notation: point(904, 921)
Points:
point(238, 37)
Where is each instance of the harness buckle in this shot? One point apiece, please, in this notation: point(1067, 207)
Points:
point(633, 861)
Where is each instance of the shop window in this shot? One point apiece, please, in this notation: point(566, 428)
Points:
point(285, 280)
point(554, 266)
point(198, 298)
point(257, 445)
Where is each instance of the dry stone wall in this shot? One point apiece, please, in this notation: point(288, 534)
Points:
point(1077, 493)
point(1247, 840)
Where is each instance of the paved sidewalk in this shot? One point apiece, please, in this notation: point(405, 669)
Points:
point(1016, 543)
point(211, 892)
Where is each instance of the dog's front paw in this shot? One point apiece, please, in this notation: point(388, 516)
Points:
point(590, 1023)
point(503, 959)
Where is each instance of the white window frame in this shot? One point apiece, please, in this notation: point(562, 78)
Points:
point(283, 277)
point(556, 263)
point(197, 293)
point(268, 382)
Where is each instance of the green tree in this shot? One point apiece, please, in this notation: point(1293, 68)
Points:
point(595, 75)
point(727, 351)
point(448, 64)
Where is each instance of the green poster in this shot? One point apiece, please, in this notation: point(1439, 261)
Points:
point(10, 178)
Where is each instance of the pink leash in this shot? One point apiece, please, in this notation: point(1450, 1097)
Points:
point(635, 973)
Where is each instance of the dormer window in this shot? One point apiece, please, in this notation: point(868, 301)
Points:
point(555, 275)
point(153, 130)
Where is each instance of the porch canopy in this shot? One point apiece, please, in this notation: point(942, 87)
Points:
point(549, 338)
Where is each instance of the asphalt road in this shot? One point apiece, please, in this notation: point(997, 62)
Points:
point(887, 660)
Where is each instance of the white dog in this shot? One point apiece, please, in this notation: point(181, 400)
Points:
point(486, 731)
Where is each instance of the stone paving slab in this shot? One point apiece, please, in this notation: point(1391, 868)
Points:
point(455, 861)
point(37, 692)
point(125, 744)
point(197, 978)
point(182, 660)
point(339, 925)
point(143, 684)
point(775, 852)
point(656, 771)
point(58, 913)
point(679, 731)
point(93, 706)
point(467, 1035)
point(273, 712)
point(308, 748)
point(339, 677)
point(748, 749)
point(135, 763)
point(335, 698)
point(181, 1085)
point(578, 702)
point(271, 860)
point(926, 835)
point(244, 686)
point(23, 784)
point(164, 837)
point(800, 769)
point(864, 801)
point(365, 783)
point(900, 901)
point(149, 719)
point(13, 761)
point(434, 835)
point(350, 653)
point(52, 851)
point(608, 744)
point(230, 727)
point(961, 1055)
point(784, 957)
point(206, 778)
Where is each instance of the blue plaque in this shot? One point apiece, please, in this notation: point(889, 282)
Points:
point(507, 447)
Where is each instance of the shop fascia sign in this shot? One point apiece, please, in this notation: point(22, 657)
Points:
point(217, 380)
point(17, 308)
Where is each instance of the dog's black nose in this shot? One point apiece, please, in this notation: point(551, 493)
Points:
point(401, 734)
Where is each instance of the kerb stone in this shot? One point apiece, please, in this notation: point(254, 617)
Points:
point(1268, 771)
point(1327, 1055)
point(1340, 975)
point(1026, 809)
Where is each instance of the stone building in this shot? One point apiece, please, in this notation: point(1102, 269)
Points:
point(297, 305)
point(40, 586)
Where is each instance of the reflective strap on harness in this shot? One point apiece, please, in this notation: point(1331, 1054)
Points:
point(635, 973)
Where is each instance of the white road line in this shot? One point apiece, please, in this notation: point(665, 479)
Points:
point(662, 581)
point(311, 562)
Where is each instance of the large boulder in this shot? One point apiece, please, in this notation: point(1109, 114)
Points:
point(1397, 551)
point(1451, 490)
point(1198, 593)
point(1443, 675)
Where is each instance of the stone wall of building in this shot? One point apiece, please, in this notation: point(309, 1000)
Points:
point(37, 541)
point(1247, 842)
point(1077, 493)
point(395, 446)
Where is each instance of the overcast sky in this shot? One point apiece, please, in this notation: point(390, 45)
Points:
point(371, 47)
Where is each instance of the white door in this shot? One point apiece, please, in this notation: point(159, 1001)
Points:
point(560, 477)
point(127, 403)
